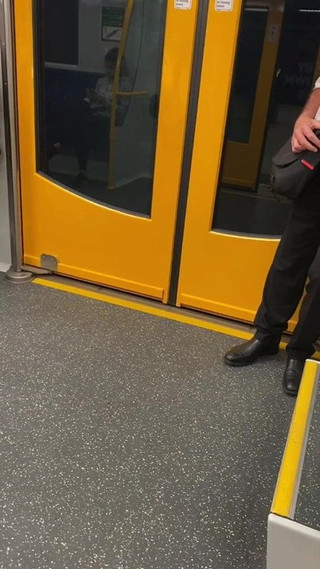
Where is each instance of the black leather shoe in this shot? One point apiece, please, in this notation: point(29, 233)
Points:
point(248, 352)
point(292, 376)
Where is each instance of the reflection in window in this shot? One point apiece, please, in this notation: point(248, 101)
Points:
point(254, 210)
point(250, 46)
point(97, 96)
point(63, 16)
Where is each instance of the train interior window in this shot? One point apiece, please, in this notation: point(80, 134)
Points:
point(267, 97)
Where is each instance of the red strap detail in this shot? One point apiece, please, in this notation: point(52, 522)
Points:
point(307, 164)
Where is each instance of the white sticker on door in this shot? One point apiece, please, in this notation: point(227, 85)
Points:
point(183, 4)
point(224, 5)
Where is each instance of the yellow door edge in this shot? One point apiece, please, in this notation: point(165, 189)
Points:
point(104, 279)
point(292, 463)
point(218, 308)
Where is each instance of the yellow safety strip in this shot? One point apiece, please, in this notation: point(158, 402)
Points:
point(291, 463)
point(162, 311)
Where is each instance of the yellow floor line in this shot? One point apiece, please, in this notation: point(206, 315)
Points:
point(291, 463)
point(227, 330)
point(160, 312)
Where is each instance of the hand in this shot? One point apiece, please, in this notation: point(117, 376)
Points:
point(303, 137)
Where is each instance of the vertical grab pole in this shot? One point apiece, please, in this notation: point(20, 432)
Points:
point(15, 273)
point(115, 92)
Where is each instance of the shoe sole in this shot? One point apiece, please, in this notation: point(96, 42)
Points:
point(290, 393)
point(230, 364)
point(250, 362)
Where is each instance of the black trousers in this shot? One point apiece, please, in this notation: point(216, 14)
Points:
point(295, 259)
point(91, 130)
point(77, 124)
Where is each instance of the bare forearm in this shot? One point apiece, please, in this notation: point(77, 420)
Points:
point(303, 137)
point(312, 105)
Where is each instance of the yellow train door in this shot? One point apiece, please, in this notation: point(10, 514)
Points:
point(231, 233)
point(108, 100)
point(103, 96)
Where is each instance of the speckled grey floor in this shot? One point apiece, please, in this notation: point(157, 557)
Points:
point(308, 503)
point(127, 444)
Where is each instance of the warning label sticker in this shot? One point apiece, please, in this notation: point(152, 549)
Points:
point(183, 4)
point(224, 5)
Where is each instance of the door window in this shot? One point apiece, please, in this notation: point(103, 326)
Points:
point(98, 86)
point(250, 46)
point(255, 210)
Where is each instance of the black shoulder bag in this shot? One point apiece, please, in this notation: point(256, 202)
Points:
point(291, 171)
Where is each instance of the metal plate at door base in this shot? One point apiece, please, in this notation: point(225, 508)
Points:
point(49, 262)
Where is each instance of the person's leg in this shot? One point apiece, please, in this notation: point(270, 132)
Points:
point(76, 116)
point(288, 273)
point(284, 285)
point(82, 141)
point(82, 148)
point(94, 135)
point(307, 330)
